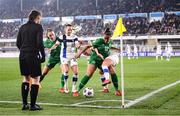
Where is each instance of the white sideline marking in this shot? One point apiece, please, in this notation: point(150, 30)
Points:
point(11, 102)
point(79, 104)
point(19, 102)
point(94, 106)
point(150, 94)
point(85, 102)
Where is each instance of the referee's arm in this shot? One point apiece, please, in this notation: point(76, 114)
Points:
point(40, 43)
point(19, 39)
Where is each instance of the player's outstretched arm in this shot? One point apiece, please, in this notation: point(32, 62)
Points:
point(54, 46)
point(82, 51)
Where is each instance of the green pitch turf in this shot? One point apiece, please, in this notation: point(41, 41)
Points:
point(141, 77)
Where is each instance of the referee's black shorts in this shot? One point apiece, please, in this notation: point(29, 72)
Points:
point(30, 64)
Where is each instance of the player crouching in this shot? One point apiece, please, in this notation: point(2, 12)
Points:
point(100, 50)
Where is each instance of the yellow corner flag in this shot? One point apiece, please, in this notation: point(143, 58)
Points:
point(120, 29)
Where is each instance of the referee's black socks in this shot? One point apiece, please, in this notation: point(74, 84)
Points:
point(34, 94)
point(24, 92)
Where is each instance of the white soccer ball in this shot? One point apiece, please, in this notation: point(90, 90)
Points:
point(88, 92)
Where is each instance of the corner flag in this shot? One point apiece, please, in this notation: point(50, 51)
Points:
point(120, 29)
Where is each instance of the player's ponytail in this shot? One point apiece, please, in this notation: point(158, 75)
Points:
point(108, 31)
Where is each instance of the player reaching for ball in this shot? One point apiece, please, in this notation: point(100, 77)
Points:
point(101, 50)
point(108, 64)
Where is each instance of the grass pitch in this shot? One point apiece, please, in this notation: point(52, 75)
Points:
point(141, 77)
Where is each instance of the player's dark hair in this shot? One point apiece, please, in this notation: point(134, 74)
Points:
point(107, 31)
point(48, 30)
point(33, 15)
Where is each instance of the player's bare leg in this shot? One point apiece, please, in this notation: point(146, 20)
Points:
point(105, 67)
point(66, 76)
point(114, 81)
point(105, 87)
point(74, 80)
point(44, 72)
point(90, 71)
point(61, 89)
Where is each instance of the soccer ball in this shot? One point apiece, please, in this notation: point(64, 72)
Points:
point(88, 92)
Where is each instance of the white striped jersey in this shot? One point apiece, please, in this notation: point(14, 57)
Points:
point(68, 46)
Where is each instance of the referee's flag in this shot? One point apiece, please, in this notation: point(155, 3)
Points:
point(120, 29)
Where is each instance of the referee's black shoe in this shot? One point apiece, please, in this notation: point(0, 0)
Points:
point(25, 107)
point(35, 107)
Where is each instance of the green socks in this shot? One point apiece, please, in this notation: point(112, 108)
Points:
point(62, 81)
point(115, 81)
point(83, 82)
point(42, 77)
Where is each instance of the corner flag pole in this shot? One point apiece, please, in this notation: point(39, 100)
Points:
point(122, 71)
point(119, 31)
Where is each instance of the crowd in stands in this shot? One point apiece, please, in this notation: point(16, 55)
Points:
point(8, 30)
point(170, 24)
point(89, 27)
point(13, 9)
point(136, 25)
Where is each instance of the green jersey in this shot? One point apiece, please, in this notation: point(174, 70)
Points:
point(55, 54)
point(102, 47)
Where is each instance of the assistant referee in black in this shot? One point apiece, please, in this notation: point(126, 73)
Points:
point(30, 44)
